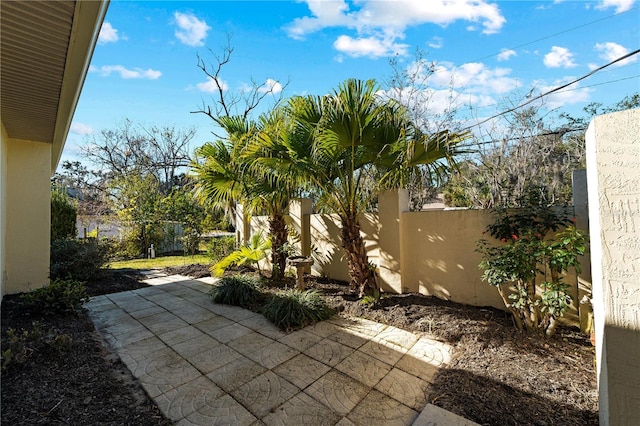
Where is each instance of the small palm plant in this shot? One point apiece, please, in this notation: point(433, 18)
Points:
point(250, 254)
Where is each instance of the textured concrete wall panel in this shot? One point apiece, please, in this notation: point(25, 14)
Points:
point(613, 172)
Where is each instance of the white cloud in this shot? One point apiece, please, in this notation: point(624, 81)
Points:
point(559, 57)
point(270, 86)
point(475, 78)
point(369, 46)
point(212, 85)
point(108, 34)
point(444, 87)
point(620, 5)
point(325, 14)
point(436, 43)
point(505, 54)
point(126, 73)
point(81, 129)
point(611, 51)
point(191, 31)
point(378, 24)
point(396, 15)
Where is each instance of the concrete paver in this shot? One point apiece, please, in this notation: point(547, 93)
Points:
point(209, 364)
point(338, 391)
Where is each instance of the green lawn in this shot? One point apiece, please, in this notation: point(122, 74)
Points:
point(161, 262)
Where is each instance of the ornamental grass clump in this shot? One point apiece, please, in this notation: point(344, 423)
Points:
point(237, 290)
point(293, 309)
point(528, 267)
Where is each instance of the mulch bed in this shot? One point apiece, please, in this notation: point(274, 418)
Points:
point(87, 385)
point(498, 376)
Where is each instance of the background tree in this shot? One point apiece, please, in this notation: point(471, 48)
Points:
point(527, 151)
point(128, 148)
point(431, 109)
point(138, 168)
point(86, 186)
point(63, 216)
point(138, 205)
point(181, 205)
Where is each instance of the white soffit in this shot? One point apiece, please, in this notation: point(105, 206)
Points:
point(35, 40)
point(45, 51)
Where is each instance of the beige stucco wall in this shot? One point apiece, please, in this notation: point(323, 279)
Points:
point(326, 245)
point(440, 257)
point(613, 173)
point(391, 206)
point(26, 215)
point(430, 252)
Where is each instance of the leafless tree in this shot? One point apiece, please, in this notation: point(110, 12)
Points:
point(523, 155)
point(228, 102)
point(128, 148)
point(432, 109)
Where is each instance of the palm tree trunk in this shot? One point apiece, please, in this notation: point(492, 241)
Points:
point(279, 236)
point(362, 276)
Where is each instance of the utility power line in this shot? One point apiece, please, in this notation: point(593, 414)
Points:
point(552, 133)
point(574, 89)
point(556, 89)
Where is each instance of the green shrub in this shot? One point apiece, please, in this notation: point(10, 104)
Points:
point(220, 247)
point(238, 290)
point(528, 265)
point(293, 309)
point(137, 240)
point(17, 347)
point(77, 259)
point(59, 297)
point(63, 216)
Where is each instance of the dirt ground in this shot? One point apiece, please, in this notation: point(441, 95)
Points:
point(498, 376)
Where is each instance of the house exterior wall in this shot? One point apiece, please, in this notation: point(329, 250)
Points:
point(3, 204)
point(613, 174)
point(26, 214)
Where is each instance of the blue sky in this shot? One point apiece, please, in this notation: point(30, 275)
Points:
point(488, 54)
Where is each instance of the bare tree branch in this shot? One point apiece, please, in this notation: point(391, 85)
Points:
point(234, 103)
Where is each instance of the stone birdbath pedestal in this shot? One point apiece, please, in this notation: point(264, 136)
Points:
point(300, 263)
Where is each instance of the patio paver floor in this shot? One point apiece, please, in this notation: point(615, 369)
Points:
point(208, 364)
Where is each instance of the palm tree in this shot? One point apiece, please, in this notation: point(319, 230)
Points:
point(219, 169)
point(236, 170)
point(353, 138)
point(274, 184)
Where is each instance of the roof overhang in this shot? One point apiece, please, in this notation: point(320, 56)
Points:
point(45, 52)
